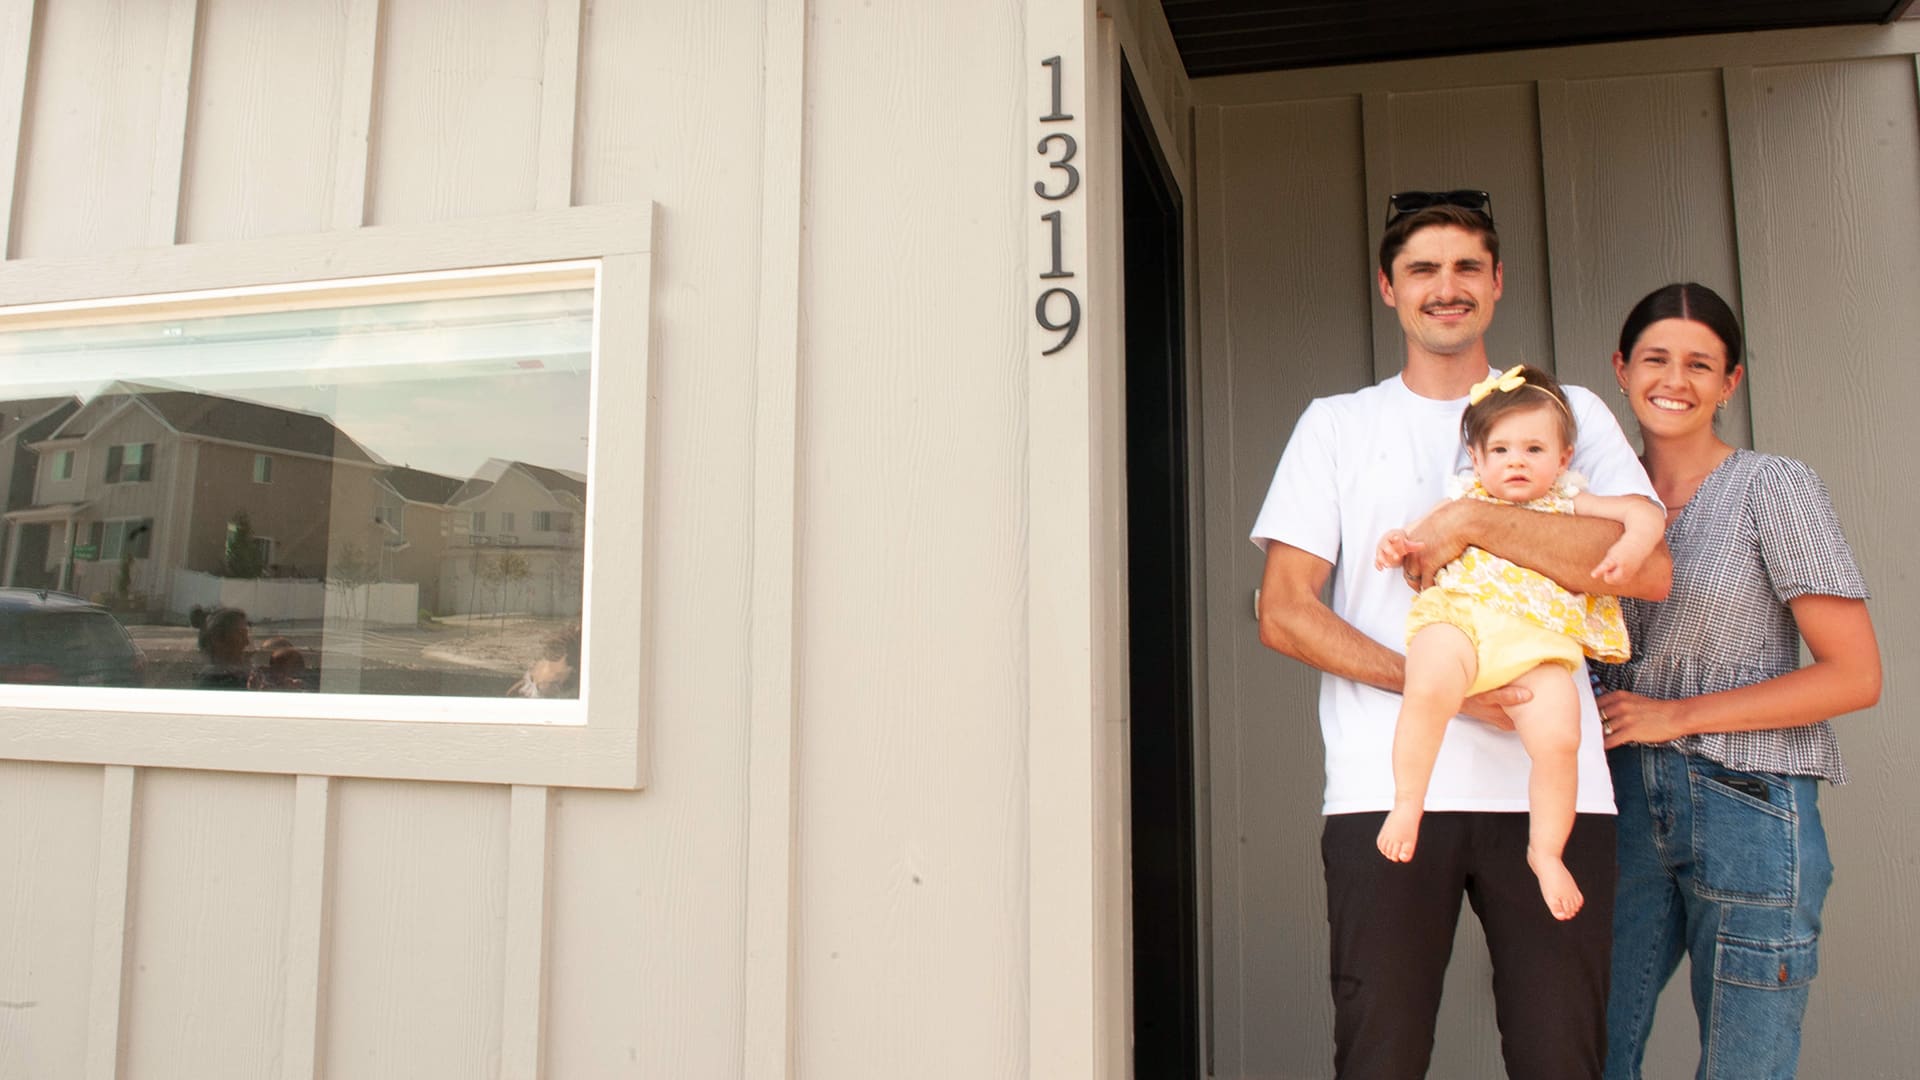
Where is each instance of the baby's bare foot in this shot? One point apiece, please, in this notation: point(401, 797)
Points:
point(1556, 885)
point(1399, 832)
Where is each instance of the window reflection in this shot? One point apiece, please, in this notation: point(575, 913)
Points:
point(366, 498)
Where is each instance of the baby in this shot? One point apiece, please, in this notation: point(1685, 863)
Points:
point(1486, 622)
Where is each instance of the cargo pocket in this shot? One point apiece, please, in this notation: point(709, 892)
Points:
point(1745, 837)
point(1763, 965)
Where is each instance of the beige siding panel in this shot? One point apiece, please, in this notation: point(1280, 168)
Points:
point(205, 952)
point(646, 961)
point(48, 861)
point(1281, 202)
point(1488, 138)
point(417, 951)
point(88, 149)
point(1833, 172)
point(647, 898)
point(262, 129)
point(457, 100)
point(1639, 196)
point(912, 957)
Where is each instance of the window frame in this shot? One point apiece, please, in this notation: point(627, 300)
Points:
point(62, 459)
point(259, 460)
point(396, 737)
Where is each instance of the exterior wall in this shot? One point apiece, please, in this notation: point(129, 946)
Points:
point(294, 511)
point(839, 576)
point(1781, 169)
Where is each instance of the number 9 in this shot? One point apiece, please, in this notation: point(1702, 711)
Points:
point(1071, 326)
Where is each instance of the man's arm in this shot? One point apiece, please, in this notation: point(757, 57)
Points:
point(1295, 623)
point(1564, 547)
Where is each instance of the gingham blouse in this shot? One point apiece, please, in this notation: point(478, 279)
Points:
point(1759, 532)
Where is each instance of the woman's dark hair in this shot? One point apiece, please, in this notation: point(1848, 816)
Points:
point(1540, 391)
point(217, 624)
point(1693, 302)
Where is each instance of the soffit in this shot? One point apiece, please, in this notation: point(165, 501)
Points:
point(1229, 37)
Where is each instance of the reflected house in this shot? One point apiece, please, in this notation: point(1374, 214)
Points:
point(410, 514)
point(516, 542)
point(153, 479)
point(23, 423)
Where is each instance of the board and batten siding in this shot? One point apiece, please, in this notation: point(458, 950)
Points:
point(1782, 169)
point(827, 872)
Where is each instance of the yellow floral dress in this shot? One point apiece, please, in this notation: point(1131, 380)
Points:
point(1595, 622)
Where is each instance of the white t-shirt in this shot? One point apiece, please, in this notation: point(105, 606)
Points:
point(1357, 466)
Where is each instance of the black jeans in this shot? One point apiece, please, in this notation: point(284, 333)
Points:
point(1392, 933)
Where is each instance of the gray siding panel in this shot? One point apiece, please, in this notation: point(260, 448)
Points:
point(1834, 210)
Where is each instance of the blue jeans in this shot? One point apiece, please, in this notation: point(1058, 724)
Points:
point(1729, 868)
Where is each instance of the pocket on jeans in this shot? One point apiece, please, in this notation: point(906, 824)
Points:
point(1745, 847)
point(1765, 965)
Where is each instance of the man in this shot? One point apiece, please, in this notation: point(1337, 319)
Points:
point(1358, 465)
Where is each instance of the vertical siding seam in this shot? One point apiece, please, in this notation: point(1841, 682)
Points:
point(523, 1013)
point(1744, 173)
point(16, 32)
point(768, 977)
point(308, 928)
point(559, 94)
point(175, 95)
point(112, 918)
point(352, 155)
point(1376, 141)
point(1557, 191)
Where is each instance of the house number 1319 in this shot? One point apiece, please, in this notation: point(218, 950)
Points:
point(1058, 148)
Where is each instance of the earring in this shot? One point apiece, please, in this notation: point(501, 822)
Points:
point(1622, 389)
point(1722, 407)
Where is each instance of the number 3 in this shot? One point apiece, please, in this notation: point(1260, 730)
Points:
point(1073, 174)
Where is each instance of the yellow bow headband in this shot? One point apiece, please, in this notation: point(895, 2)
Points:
point(1505, 382)
point(1508, 381)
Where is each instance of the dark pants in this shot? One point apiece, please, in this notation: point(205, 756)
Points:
point(1392, 932)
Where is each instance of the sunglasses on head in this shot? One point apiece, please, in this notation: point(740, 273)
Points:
point(1406, 202)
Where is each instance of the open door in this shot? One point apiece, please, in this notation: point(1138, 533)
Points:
point(1166, 956)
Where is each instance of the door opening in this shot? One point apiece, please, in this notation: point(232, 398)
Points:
point(1166, 958)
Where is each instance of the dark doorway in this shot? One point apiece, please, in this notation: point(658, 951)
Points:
point(1166, 959)
point(30, 562)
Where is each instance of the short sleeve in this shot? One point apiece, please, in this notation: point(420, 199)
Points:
point(1602, 453)
point(1799, 535)
point(1302, 508)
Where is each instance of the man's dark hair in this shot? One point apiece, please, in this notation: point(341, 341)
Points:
point(1406, 225)
point(1691, 301)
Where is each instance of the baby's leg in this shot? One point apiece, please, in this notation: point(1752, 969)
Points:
point(1440, 667)
point(1549, 726)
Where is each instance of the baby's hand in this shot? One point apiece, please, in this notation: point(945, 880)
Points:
point(1620, 565)
point(1394, 548)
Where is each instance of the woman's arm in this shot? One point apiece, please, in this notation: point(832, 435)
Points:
point(1844, 677)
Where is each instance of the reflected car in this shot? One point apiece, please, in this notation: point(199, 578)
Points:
point(54, 639)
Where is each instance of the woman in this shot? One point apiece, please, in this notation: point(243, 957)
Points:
point(1716, 737)
point(226, 639)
